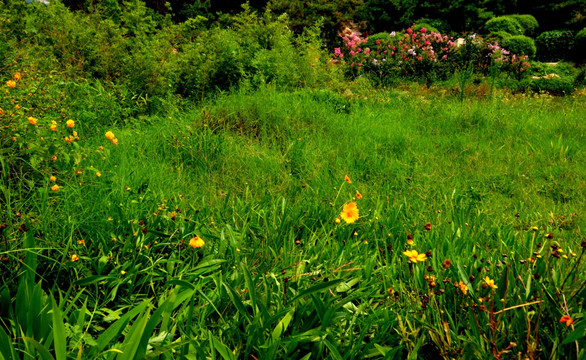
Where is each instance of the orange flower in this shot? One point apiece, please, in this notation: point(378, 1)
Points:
point(428, 226)
point(55, 187)
point(98, 174)
point(350, 213)
point(114, 141)
point(463, 288)
point(53, 126)
point(347, 179)
point(53, 178)
point(74, 257)
point(17, 76)
point(70, 123)
point(11, 83)
point(414, 256)
point(110, 135)
point(32, 120)
point(54, 158)
point(196, 242)
point(566, 319)
point(358, 195)
point(490, 282)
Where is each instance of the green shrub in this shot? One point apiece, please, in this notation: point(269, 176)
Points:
point(580, 46)
point(520, 45)
point(555, 45)
point(504, 23)
point(563, 69)
point(528, 22)
point(555, 86)
point(580, 80)
point(499, 36)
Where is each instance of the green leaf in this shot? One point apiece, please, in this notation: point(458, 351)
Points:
point(224, 351)
point(94, 279)
point(116, 328)
point(45, 354)
point(282, 325)
point(131, 343)
point(317, 288)
point(7, 351)
point(59, 337)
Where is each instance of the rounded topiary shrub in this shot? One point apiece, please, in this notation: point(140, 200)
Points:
point(580, 46)
point(528, 22)
point(504, 23)
point(520, 45)
point(555, 45)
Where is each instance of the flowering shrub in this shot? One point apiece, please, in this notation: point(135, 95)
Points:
point(423, 55)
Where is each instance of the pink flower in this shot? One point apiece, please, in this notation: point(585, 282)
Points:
point(378, 42)
point(367, 50)
point(426, 42)
point(423, 30)
point(352, 53)
point(410, 31)
point(384, 52)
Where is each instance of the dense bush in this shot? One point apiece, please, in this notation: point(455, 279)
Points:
point(504, 23)
point(520, 44)
point(580, 80)
point(554, 86)
point(580, 46)
point(528, 22)
point(555, 45)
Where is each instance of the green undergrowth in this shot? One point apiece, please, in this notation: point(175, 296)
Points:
point(491, 187)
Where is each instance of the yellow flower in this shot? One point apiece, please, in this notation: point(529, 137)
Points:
point(101, 148)
point(53, 158)
point(11, 83)
point(55, 187)
point(350, 213)
point(123, 272)
point(81, 242)
point(70, 123)
point(53, 178)
point(17, 76)
point(110, 135)
point(32, 120)
point(414, 256)
point(114, 141)
point(490, 282)
point(347, 179)
point(358, 195)
point(74, 257)
point(196, 242)
point(337, 221)
point(53, 126)
point(98, 174)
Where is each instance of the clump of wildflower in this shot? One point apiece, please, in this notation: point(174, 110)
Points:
point(53, 126)
point(17, 76)
point(350, 213)
point(566, 319)
point(70, 123)
point(11, 83)
point(489, 282)
point(196, 242)
point(32, 120)
point(414, 256)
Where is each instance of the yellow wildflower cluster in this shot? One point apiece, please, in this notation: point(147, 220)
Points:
point(414, 256)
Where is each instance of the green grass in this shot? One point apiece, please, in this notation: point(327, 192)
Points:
point(260, 177)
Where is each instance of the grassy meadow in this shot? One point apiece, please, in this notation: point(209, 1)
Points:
point(344, 221)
